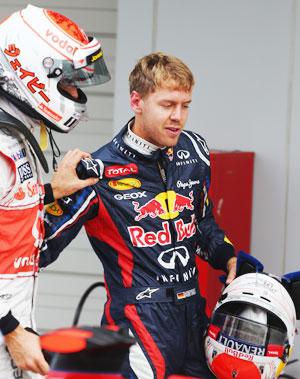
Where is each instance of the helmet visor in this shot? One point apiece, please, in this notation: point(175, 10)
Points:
point(90, 75)
point(248, 331)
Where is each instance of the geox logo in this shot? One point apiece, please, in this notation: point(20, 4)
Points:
point(25, 172)
point(248, 349)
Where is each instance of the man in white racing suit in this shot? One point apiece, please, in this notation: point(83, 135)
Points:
point(39, 87)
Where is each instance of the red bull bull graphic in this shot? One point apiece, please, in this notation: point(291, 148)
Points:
point(165, 205)
point(152, 208)
point(184, 202)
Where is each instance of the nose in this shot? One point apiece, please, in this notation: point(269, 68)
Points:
point(176, 113)
point(70, 89)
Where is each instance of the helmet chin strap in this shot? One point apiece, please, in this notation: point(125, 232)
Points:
point(9, 122)
point(54, 148)
point(44, 132)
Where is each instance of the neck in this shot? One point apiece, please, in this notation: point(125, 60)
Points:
point(138, 143)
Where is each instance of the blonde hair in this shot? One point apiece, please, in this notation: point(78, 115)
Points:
point(158, 70)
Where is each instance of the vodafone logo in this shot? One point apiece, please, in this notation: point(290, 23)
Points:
point(63, 44)
point(114, 171)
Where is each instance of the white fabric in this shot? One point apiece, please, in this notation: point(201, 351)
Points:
point(138, 362)
point(7, 176)
point(21, 196)
point(9, 372)
point(138, 144)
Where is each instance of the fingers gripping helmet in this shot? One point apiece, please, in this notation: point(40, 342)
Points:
point(42, 52)
point(252, 329)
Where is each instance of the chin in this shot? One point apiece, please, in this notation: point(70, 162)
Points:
point(171, 142)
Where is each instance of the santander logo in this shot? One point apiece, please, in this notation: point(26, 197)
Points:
point(114, 171)
point(62, 43)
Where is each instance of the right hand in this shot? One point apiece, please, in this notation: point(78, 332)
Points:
point(25, 349)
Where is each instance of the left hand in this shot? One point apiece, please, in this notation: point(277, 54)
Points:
point(231, 269)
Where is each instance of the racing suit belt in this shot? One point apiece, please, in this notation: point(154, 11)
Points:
point(178, 293)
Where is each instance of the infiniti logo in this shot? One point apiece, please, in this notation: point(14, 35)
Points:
point(169, 257)
point(183, 154)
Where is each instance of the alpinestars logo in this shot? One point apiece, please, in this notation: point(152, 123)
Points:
point(147, 293)
point(93, 168)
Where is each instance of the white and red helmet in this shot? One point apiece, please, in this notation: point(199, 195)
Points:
point(252, 329)
point(40, 49)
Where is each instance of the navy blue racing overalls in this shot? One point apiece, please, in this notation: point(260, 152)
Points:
point(146, 220)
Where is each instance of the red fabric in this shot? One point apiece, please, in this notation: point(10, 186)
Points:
point(104, 228)
point(147, 341)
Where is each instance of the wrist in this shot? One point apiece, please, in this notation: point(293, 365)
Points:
point(8, 323)
point(49, 194)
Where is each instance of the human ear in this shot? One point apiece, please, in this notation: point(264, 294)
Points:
point(135, 102)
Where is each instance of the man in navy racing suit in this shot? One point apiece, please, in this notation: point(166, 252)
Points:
point(146, 220)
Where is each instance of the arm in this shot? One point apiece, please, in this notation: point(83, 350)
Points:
point(65, 181)
point(215, 246)
point(25, 349)
point(63, 220)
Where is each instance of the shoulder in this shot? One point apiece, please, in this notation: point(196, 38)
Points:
point(191, 140)
point(103, 152)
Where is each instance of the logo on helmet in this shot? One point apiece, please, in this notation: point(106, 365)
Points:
point(63, 44)
point(34, 83)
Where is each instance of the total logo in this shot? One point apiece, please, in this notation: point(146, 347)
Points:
point(114, 171)
point(166, 205)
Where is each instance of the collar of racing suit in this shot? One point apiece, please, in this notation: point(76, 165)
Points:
point(137, 143)
point(130, 144)
point(12, 118)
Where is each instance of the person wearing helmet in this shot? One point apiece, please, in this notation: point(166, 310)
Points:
point(252, 330)
point(44, 60)
point(147, 219)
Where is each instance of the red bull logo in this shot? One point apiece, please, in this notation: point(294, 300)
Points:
point(184, 202)
point(152, 208)
point(166, 205)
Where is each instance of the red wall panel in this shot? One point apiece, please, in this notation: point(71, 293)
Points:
point(231, 192)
